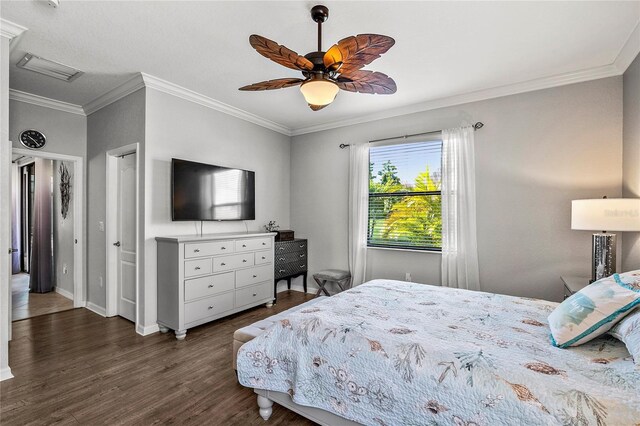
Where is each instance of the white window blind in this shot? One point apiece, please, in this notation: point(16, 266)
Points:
point(404, 196)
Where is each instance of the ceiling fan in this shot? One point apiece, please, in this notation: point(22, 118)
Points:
point(325, 73)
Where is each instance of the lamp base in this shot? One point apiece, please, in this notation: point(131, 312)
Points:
point(603, 262)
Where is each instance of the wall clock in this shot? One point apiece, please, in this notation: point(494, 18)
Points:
point(32, 139)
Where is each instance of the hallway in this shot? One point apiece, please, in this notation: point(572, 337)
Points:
point(27, 305)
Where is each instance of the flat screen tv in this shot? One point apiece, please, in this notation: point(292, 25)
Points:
point(207, 192)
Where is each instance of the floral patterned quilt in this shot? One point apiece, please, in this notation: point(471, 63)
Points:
point(397, 353)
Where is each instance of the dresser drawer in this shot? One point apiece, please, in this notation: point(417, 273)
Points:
point(291, 268)
point(290, 246)
point(196, 267)
point(296, 256)
point(252, 276)
point(207, 249)
point(227, 263)
point(263, 257)
point(253, 244)
point(253, 294)
point(201, 309)
point(208, 286)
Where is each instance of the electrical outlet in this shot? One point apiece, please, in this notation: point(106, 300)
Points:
point(101, 226)
point(64, 269)
point(407, 276)
point(100, 282)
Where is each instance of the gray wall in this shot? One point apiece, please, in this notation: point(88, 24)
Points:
point(118, 124)
point(536, 153)
point(63, 231)
point(631, 159)
point(176, 128)
point(66, 133)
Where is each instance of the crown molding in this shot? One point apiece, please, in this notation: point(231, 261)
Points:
point(627, 54)
point(480, 95)
point(133, 84)
point(629, 51)
point(189, 95)
point(29, 98)
point(11, 30)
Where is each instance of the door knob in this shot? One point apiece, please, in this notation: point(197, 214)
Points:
point(117, 244)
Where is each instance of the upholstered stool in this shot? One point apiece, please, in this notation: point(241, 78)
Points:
point(245, 334)
point(340, 277)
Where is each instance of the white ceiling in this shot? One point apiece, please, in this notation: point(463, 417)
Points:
point(442, 49)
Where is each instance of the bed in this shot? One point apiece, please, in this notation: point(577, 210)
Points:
point(397, 353)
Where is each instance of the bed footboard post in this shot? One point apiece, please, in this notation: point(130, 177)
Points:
point(266, 407)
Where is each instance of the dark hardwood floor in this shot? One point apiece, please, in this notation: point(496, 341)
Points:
point(76, 367)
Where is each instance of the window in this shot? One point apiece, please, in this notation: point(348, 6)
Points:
point(404, 196)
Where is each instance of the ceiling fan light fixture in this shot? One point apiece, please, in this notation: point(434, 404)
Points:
point(319, 91)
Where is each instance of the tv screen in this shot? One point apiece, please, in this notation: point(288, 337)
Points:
point(207, 192)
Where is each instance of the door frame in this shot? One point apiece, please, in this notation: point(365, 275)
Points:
point(79, 287)
point(111, 229)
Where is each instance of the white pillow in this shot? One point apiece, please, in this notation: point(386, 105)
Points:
point(628, 330)
point(594, 310)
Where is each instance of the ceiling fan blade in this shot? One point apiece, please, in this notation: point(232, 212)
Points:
point(317, 107)
point(363, 81)
point(279, 54)
point(357, 51)
point(279, 83)
point(333, 58)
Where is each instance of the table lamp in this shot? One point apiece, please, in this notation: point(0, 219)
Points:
point(608, 214)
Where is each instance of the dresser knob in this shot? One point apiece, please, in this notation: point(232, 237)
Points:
point(210, 307)
point(280, 248)
point(255, 294)
point(264, 244)
point(244, 260)
point(197, 268)
point(281, 270)
point(282, 258)
point(223, 264)
point(263, 258)
point(210, 285)
point(255, 276)
point(302, 266)
point(196, 251)
point(301, 245)
point(223, 248)
point(302, 255)
point(244, 245)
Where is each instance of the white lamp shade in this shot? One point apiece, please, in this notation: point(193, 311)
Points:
point(606, 214)
point(319, 92)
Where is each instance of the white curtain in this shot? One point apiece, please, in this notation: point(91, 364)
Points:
point(358, 210)
point(459, 240)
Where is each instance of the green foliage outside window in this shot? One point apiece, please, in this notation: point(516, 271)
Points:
point(404, 215)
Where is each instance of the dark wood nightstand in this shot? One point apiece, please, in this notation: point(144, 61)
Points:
point(290, 261)
point(574, 284)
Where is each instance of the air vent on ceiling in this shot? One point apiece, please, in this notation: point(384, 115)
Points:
point(52, 69)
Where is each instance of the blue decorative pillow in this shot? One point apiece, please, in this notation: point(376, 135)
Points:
point(594, 310)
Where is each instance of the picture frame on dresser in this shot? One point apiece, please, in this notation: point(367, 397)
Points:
point(291, 261)
point(202, 278)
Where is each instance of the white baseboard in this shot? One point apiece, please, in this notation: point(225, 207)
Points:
point(97, 309)
point(6, 374)
point(145, 331)
point(64, 293)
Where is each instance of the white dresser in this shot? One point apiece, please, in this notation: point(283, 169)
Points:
point(203, 278)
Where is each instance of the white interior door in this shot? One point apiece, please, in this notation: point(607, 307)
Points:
point(126, 243)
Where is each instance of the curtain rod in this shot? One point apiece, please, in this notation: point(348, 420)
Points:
point(476, 126)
